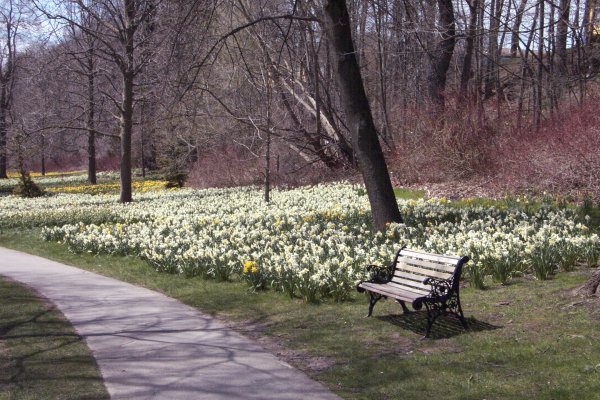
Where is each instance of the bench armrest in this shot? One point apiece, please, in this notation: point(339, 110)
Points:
point(439, 287)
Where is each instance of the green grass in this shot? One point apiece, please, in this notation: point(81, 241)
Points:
point(530, 339)
point(409, 194)
point(41, 356)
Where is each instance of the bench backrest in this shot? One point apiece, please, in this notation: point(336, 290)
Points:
point(412, 267)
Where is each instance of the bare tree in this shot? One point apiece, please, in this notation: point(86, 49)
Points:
point(120, 39)
point(10, 19)
point(84, 55)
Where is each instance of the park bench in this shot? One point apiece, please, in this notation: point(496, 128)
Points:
point(421, 279)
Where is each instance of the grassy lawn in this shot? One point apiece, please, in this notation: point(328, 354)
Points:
point(41, 356)
point(529, 339)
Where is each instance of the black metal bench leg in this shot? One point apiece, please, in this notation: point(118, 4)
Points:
point(404, 308)
point(461, 317)
point(373, 299)
point(432, 315)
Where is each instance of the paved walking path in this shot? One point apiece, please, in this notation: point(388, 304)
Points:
point(149, 346)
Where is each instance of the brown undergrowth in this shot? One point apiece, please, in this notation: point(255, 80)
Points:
point(460, 155)
point(463, 152)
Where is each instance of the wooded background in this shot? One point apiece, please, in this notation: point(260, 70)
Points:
point(238, 91)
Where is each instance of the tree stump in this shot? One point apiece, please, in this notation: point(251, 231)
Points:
point(590, 287)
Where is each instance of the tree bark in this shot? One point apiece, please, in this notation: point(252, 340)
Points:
point(365, 142)
point(6, 83)
point(43, 154)
point(470, 44)
point(3, 153)
point(90, 123)
point(515, 34)
point(561, 35)
point(537, 115)
point(126, 129)
point(442, 54)
point(127, 101)
point(491, 70)
point(590, 287)
point(588, 12)
point(381, 55)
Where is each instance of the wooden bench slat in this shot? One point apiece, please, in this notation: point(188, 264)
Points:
point(431, 257)
point(408, 275)
point(411, 286)
point(410, 282)
point(422, 271)
point(427, 264)
point(390, 291)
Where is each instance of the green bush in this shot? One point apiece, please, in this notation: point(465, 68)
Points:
point(175, 179)
point(27, 187)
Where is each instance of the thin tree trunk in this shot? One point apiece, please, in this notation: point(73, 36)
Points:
point(491, 77)
point(90, 123)
point(470, 44)
point(268, 164)
point(7, 68)
point(562, 31)
point(365, 142)
point(587, 22)
point(381, 69)
point(479, 51)
point(540, 69)
point(442, 55)
point(43, 154)
point(127, 71)
point(268, 144)
point(516, 36)
point(3, 153)
point(126, 129)
point(143, 139)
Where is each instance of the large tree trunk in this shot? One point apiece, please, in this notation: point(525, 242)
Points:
point(365, 142)
point(442, 54)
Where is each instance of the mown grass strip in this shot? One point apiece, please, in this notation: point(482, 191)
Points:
point(530, 339)
point(41, 356)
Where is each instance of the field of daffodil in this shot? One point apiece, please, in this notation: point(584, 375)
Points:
point(76, 182)
point(312, 242)
point(54, 179)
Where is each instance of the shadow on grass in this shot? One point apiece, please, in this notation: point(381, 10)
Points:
point(41, 356)
point(445, 326)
